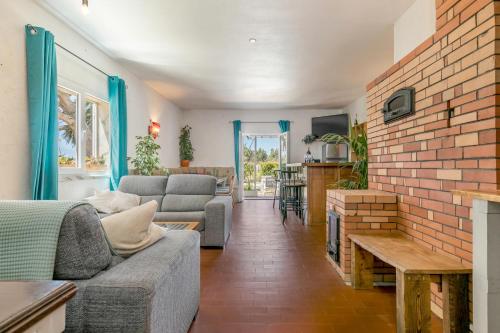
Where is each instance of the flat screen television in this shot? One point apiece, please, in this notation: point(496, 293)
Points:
point(338, 124)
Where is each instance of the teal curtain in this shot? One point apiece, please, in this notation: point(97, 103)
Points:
point(42, 106)
point(237, 130)
point(284, 126)
point(118, 105)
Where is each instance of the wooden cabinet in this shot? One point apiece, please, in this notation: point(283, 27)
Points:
point(320, 177)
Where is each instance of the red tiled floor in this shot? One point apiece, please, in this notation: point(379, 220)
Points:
point(272, 279)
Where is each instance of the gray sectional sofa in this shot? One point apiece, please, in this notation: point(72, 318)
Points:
point(186, 198)
point(154, 291)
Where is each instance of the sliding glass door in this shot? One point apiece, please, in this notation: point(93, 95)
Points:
point(261, 157)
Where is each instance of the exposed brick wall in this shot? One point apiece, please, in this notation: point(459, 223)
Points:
point(366, 211)
point(424, 156)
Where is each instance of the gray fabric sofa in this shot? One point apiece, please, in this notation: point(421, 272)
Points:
point(155, 290)
point(186, 198)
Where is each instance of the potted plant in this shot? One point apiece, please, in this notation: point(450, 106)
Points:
point(358, 142)
point(185, 146)
point(308, 140)
point(147, 159)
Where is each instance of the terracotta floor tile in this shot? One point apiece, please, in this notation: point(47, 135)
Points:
point(272, 278)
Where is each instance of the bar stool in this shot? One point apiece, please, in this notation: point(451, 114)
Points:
point(291, 194)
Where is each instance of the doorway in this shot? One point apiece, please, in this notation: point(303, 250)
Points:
point(261, 157)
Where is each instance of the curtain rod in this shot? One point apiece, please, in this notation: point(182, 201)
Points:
point(83, 60)
point(259, 122)
point(34, 31)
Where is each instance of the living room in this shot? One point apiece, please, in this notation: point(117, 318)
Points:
point(227, 166)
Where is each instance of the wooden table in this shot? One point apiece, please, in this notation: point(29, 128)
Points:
point(34, 306)
point(185, 225)
point(416, 267)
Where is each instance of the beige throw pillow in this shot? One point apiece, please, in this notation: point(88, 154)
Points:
point(132, 230)
point(113, 202)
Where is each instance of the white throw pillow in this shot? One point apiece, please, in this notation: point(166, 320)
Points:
point(113, 202)
point(102, 201)
point(132, 230)
point(123, 201)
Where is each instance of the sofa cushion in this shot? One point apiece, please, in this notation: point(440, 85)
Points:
point(182, 217)
point(191, 184)
point(148, 198)
point(82, 249)
point(184, 203)
point(144, 185)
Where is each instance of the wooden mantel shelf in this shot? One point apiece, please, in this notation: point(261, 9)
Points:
point(493, 196)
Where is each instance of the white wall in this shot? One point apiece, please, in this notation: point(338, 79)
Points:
point(413, 27)
point(212, 134)
point(143, 102)
point(357, 110)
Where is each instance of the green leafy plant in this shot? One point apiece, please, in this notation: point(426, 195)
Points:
point(185, 147)
point(309, 139)
point(147, 159)
point(358, 142)
point(267, 168)
point(248, 173)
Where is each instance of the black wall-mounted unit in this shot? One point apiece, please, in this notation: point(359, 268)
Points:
point(401, 104)
point(333, 241)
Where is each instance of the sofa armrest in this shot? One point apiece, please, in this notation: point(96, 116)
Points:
point(218, 220)
point(155, 290)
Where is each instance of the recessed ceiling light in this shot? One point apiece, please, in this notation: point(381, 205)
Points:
point(85, 7)
point(252, 40)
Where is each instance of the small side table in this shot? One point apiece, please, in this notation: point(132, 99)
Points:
point(34, 306)
point(178, 225)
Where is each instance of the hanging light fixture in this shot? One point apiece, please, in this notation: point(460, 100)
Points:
point(85, 7)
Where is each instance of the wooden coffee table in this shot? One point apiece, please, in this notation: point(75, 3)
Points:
point(179, 225)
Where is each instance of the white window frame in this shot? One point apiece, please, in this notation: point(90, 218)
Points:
point(80, 168)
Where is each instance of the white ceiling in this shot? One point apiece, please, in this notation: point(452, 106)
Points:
point(309, 53)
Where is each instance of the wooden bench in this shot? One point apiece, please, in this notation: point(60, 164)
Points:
point(416, 267)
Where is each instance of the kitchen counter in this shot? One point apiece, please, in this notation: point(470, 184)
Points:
point(327, 164)
point(320, 178)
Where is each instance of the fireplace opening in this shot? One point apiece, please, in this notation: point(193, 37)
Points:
point(401, 104)
point(333, 242)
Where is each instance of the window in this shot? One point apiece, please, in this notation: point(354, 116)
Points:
point(96, 135)
point(83, 136)
point(67, 111)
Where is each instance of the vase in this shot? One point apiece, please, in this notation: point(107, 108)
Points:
point(308, 158)
point(185, 163)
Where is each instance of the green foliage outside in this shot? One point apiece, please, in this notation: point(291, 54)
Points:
point(267, 162)
point(66, 161)
point(267, 168)
point(147, 159)
point(248, 172)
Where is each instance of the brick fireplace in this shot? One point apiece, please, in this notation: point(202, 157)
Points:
point(366, 211)
point(451, 141)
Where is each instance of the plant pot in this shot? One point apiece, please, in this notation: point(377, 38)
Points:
point(185, 163)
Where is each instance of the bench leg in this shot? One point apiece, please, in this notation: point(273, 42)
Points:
point(455, 304)
point(413, 302)
point(361, 267)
